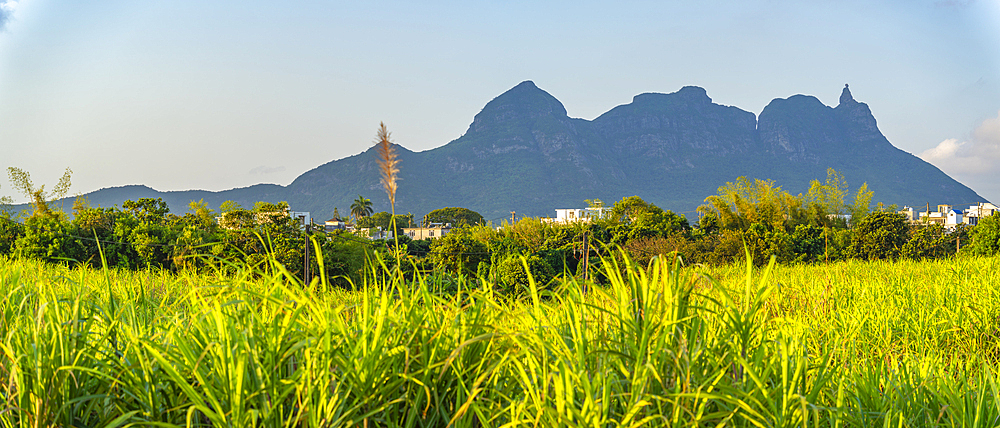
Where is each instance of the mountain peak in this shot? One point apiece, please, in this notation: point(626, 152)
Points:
point(845, 96)
point(687, 94)
point(522, 102)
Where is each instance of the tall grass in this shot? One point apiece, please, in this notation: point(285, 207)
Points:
point(851, 344)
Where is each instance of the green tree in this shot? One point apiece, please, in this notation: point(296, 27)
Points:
point(147, 230)
point(826, 200)
point(10, 232)
point(383, 220)
point(454, 215)
point(47, 238)
point(361, 207)
point(985, 236)
point(927, 241)
point(39, 198)
point(514, 278)
point(147, 209)
point(879, 235)
point(5, 203)
point(862, 203)
point(229, 206)
point(458, 252)
point(633, 218)
point(202, 214)
point(100, 223)
point(743, 203)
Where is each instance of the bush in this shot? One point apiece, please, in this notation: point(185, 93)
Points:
point(457, 252)
point(10, 231)
point(808, 243)
point(46, 238)
point(928, 241)
point(985, 236)
point(513, 277)
point(879, 236)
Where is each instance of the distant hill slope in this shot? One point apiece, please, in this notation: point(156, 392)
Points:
point(523, 153)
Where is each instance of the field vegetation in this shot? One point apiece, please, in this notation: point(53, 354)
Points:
point(847, 344)
point(773, 310)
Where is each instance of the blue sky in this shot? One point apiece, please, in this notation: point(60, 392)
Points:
point(214, 95)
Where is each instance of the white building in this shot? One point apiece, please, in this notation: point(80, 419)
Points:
point(431, 231)
point(976, 212)
point(334, 224)
point(374, 233)
point(302, 217)
point(910, 213)
point(572, 215)
point(954, 218)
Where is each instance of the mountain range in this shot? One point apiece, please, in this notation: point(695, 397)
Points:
point(523, 153)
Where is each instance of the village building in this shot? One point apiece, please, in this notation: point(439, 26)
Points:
point(573, 215)
point(334, 224)
point(373, 233)
point(430, 231)
point(910, 214)
point(979, 211)
point(303, 218)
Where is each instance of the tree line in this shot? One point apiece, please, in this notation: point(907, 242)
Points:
point(826, 224)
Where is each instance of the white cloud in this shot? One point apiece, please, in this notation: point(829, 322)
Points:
point(975, 162)
point(7, 8)
point(946, 150)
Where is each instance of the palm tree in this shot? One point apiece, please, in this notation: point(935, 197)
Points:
point(361, 207)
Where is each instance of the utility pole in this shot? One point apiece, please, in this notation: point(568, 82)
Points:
point(513, 215)
point(586, 261)
point(305, 270)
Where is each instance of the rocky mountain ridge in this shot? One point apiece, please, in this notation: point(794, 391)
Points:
point(523, 153)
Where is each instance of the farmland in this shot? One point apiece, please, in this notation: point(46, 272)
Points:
point(851, 343)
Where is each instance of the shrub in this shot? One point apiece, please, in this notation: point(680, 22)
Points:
point(878, 236)
point(513, 277)
point(986, 236)
point(926, 242)
point(458, 252)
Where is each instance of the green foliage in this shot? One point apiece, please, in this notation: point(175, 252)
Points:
point(383, 220)
point(112, 228)
point(147, 210)
point(852, 344)
point(633, 219)
point(985, 236)
point(739, 205)
point(824, 203)
point(271, 208)
point(514, 278)
point(46, 238)
point(879, 236)
point(10, 232)
point(344, 259)
point(928, 241)
point(862, 203)
point(229, 206)
point(361, 207)
point(458, 252)
point(39, 198)
point(808, 243)
point(454, 215)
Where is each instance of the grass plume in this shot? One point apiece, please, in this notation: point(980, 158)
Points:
point(389, 166)
point(388, 163)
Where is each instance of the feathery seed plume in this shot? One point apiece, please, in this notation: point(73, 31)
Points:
point(387, 162)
